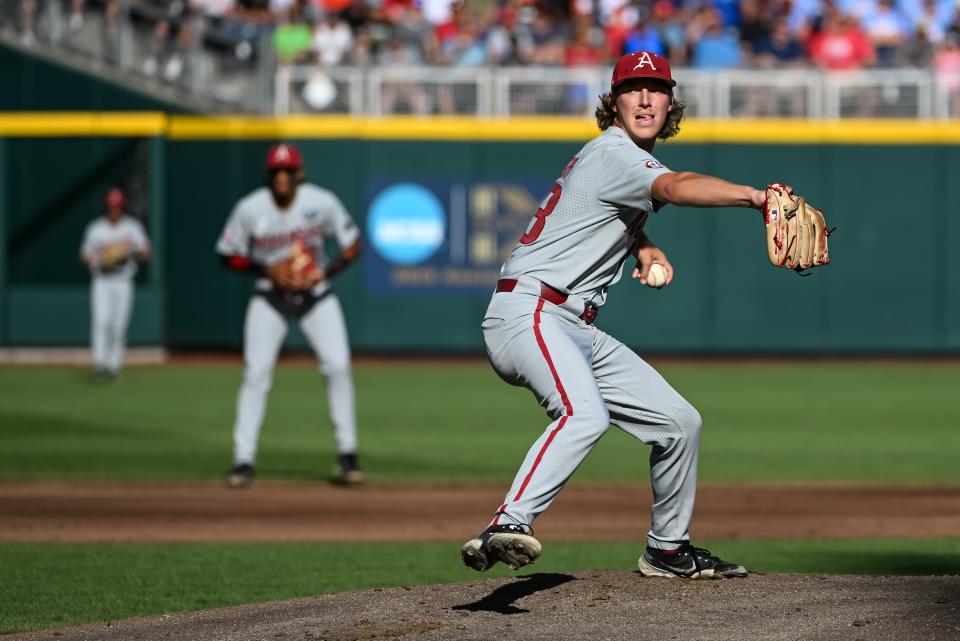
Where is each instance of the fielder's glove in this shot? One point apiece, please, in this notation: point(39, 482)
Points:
point(299, 271)
point(114, 254)
point(796, 231)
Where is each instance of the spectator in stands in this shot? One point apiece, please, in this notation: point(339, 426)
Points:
point(401, 95)
point(840, 45)
point(946, 63)
point(540, 39)
point(583, 50)
point(887, 29)
point(75, 22)
point(410, 27)
point(644, 37)
point(332, 40)
point(175, 26)
point(916, 52)
point(718, 47)
point(292, 38)
point(28, 9)
point(932, 16)
point(616, 31)
point(779, 48)
point(756, 22)
point(670, 22)
point(111, 31)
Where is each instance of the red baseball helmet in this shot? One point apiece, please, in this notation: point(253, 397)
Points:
point(284, 156)
point(641, 64)
point(115, 198)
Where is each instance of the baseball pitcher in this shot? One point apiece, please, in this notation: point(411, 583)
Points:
point(539, 327)
point(277, 233)
point(112, 246)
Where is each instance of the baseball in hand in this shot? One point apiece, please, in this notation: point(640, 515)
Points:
point(657, 276)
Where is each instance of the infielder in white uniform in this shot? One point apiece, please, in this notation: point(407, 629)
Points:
point(112, 245)
point(539, 329)
point(277, 232)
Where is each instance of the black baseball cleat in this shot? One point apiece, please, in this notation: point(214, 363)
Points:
point(347, 471)
point(240, 476)
point(688, 562)
point(511, 544)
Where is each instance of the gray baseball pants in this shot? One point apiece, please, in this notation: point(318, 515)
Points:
point(263, 334)
point(587, 380)
point(111, 301)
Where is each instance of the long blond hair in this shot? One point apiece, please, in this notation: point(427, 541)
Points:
point(606, 115)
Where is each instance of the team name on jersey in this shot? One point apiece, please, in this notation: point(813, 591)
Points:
point(310, 236)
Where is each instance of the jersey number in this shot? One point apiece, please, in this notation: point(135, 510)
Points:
point(540, 217)
point(546, 207)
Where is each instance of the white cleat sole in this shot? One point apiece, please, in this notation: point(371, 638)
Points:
point(473, 556)
point(648, 570)
point(515, 550)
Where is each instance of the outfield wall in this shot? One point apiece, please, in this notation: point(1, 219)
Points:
point(894, 285)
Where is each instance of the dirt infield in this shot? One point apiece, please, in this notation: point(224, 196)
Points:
point(316, 512)
point(532, 606)
point(585, 605)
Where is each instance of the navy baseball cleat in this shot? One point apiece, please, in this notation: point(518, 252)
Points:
point(347, 471)
point(511, 544)
point(688, 562)
point(240, 476)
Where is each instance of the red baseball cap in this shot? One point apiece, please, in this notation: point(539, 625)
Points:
point(284, 156)
point(115, 198)
point(641, 64)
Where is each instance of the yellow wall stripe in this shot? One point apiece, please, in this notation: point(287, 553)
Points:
point(54, 124)
point(558, 129)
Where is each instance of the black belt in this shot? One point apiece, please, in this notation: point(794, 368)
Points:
point(552, 295)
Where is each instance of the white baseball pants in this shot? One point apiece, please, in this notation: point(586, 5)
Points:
point(111, 300)
point(587, 380)
point(264, 331)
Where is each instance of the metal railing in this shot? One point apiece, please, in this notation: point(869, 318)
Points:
point(225, 66)
point(517, 91)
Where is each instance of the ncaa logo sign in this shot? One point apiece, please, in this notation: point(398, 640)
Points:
point(406, 224)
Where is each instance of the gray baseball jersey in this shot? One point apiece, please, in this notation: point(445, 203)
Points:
point(259, 229)
point(577, 242)
point(580, 236)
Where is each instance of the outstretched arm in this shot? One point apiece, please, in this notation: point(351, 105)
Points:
point(688, 189)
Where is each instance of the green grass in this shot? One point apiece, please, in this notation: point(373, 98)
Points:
point(814, 422)
point(46, 584)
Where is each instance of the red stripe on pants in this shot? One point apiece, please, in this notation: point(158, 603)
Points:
point(563, 397)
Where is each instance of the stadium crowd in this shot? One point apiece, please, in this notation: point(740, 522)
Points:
point(703, 34)
point(834, 35)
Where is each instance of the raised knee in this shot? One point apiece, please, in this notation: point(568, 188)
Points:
point(688, 420)
point(595, 423)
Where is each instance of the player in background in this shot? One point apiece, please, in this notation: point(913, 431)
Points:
point(539, 330)
point(112, 246)
point(269, 231)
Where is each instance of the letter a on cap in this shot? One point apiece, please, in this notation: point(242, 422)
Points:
point(645, 60)
point(283, 154)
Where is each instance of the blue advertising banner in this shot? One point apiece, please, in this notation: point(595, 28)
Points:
point(444, 236)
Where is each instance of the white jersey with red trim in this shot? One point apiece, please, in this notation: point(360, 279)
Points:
point(585, 228)
point(262, 231)
point(101, 232)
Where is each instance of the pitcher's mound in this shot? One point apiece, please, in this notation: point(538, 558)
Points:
point(584, 605)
